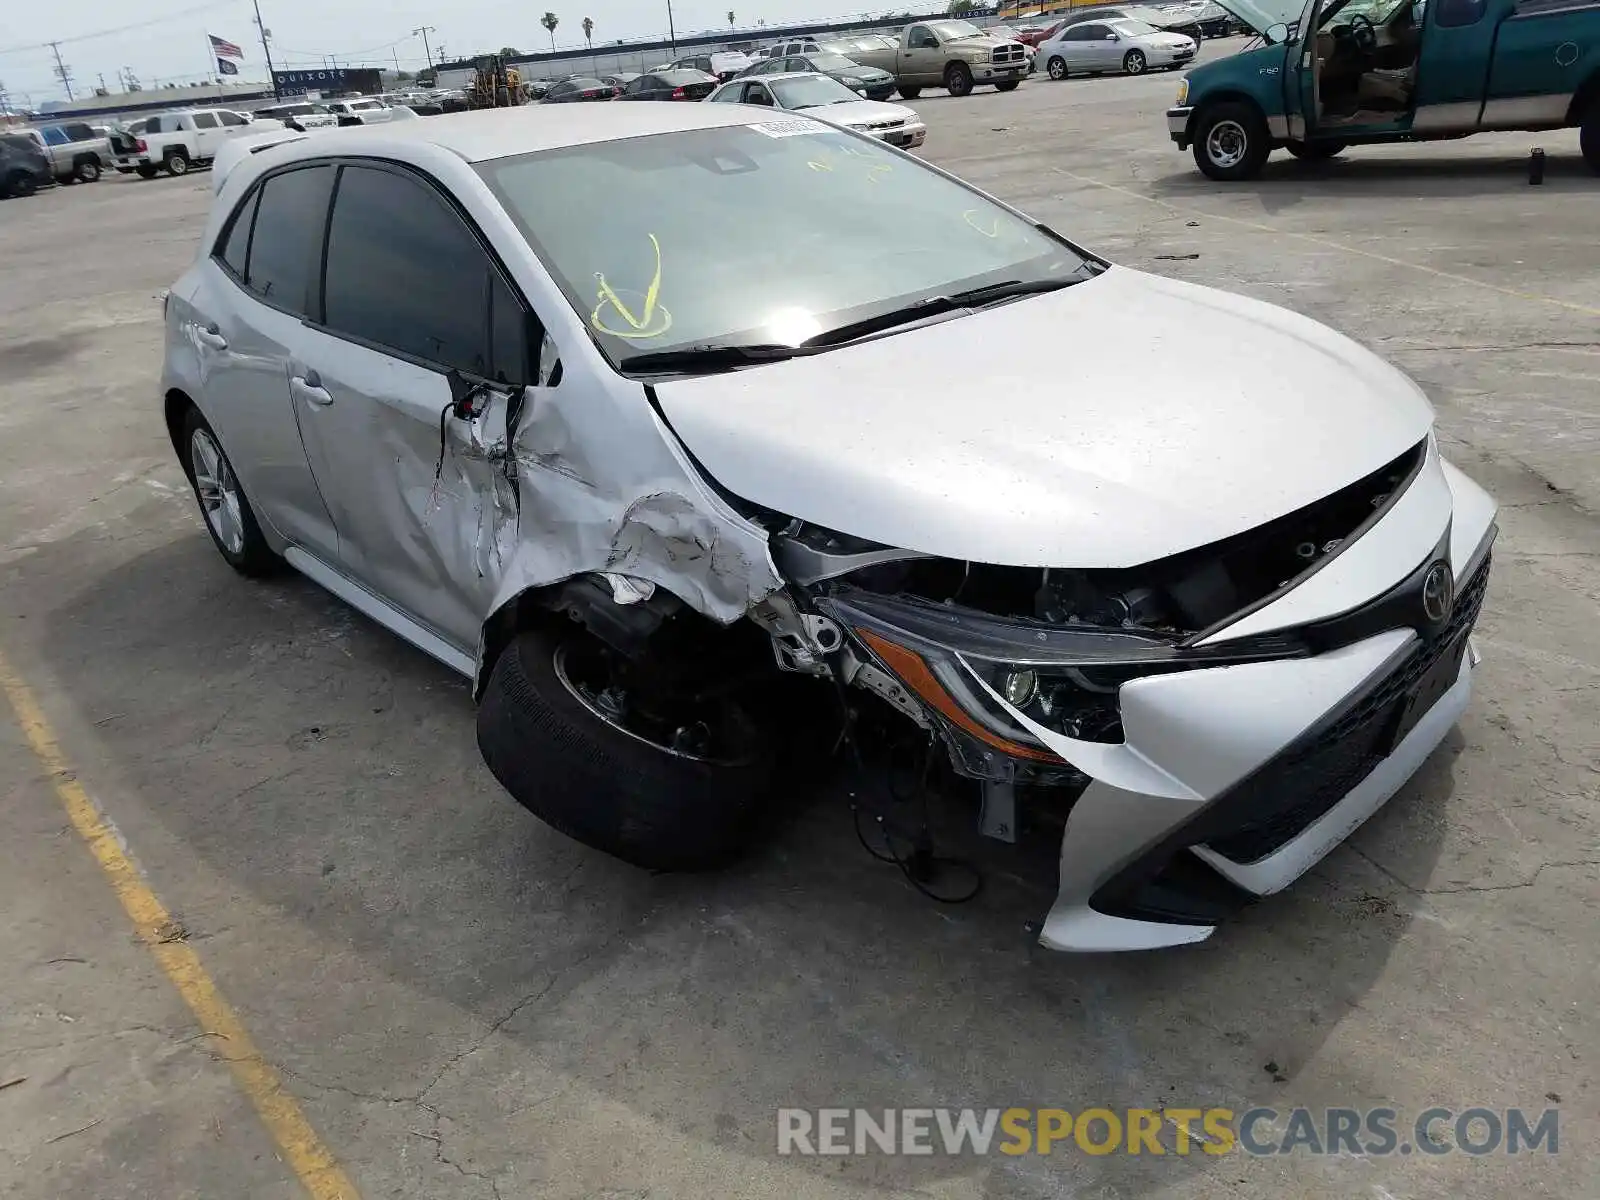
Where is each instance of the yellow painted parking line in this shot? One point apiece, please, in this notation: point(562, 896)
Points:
point(1328, 244)
point(298, 1143)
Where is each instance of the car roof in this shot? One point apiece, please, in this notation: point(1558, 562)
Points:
point(502, 132)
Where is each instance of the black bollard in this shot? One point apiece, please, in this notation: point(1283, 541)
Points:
point(1536, 166)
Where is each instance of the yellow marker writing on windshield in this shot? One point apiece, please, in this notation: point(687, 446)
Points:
point(652, 319)
point(970, 216)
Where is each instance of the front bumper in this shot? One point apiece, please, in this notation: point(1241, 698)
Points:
point(908, 136)
point(1178, 125)
point(999, 72)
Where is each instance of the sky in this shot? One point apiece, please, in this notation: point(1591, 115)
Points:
point(162, 40)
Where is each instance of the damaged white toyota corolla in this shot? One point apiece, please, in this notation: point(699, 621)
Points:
point(645, 416)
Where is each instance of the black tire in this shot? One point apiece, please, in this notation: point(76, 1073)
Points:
point(958, 79)
point(1314, 151)
point(1244, 158)
point(1056, 68)
point(1589, 137)
point(146, 171)
point(600, 785)
point(86, 170)
point(254, 557)
point(1009, 85)
point(1133, 63)
point(909, 93)
point(19, 183)
point(176, 161)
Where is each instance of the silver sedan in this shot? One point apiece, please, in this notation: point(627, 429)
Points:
point(1123, 44)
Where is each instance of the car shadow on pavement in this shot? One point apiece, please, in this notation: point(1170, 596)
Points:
point(1285, 180)
point(326, 774)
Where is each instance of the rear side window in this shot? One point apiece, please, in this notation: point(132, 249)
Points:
point(234, 249)
point(205, 121)
point(288, 229)
point(54, 136)
point(404, 272)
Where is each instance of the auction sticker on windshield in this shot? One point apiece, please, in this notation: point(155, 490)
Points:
point(789, 128)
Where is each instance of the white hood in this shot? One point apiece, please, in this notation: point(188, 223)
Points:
point(1109, 424)
point(859, 112)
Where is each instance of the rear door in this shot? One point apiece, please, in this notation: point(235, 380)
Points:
point(1454, 65)
point(247, 313)
point(207, 134)
point(414, 309)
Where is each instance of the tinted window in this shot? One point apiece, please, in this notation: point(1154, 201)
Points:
point(235, 247)
point(288, 225)
point(205, 121)
point(80, 133)
point(229, 118)
point(1457, 13)
point(508, 333)
point(405, 273)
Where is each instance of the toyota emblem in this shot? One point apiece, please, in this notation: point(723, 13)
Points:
point(1438, 593)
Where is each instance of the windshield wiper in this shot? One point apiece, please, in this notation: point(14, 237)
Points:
point(709, 357)
point(930, 306)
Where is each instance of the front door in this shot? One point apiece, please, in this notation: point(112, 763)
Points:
point(919, 61)
point(414, 311)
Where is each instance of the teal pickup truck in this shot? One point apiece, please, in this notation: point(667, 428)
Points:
point(1335, 73)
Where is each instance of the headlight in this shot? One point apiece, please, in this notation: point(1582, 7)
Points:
point(1183, 90)
point(1064, 678)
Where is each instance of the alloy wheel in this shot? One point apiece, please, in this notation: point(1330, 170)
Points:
point(218, 491)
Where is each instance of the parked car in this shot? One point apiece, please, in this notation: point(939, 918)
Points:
point(24, 166)
point(686, 84)
point(825, 98)
point(955, 55)
point(872, 82)
point(1173, 19)
point(522, 400)
point(361, 110)
point(580, 88)
point(620, 79)
point(1390, 71)
point(1131, 47)
point(301, 116)
point(176, 141)
point(722, 64)
point(793, 46)
point(77, 151)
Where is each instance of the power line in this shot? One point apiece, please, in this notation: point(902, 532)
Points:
point(100, 33)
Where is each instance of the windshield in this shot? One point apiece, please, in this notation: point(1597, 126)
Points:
point(812, 92)
point(951, 31)
point(832, 62)
point(653, 239)
point(1133, 28)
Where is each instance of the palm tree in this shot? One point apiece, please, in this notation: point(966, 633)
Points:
point(730, 18)
point(588, 36)
point(550, 21)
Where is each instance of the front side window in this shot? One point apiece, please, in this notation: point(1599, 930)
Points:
point(920, 38)
point(288, 226)
point(79, 133)
point(205, 121)
point(404, 272)
point(229, 118)
point(55, 136)
point(650, 238)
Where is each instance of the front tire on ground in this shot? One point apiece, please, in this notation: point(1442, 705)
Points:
point(1231, 141)
point(910, 93)
point(958, 79)
point(1314, 151)
point(540, 733)
point(223, 506)
point(1057, 67)
point(1133, 62)
point(1589, 137)
point(19, 183)
point(176, 162)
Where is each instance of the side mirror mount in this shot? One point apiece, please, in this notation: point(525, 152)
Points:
point(1277, 34)
point(1111, 37)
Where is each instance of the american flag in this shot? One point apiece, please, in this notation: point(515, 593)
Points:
point(224, 48)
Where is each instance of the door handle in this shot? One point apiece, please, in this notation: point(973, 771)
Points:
point(211, 335)
point(309, 388)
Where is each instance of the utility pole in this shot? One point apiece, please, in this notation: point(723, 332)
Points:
point(63, 72)
point(266, 37)
point(423, 31)
point(672, 34)
point(5, 103)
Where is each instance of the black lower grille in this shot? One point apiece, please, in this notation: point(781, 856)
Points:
point(1284, 797)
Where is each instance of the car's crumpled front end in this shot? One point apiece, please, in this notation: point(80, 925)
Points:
point(1216, 620)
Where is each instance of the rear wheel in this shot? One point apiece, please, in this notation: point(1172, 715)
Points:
point(1231, 141)
point(222, 501)
point(667, 784)
point(87, 170)
point(909, 93)
point(1589, 137)
point(176, 161)
point(1057, 67)
point(19, 183)
point(958, 79)
point(1314, 151)
point(1133, 62)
